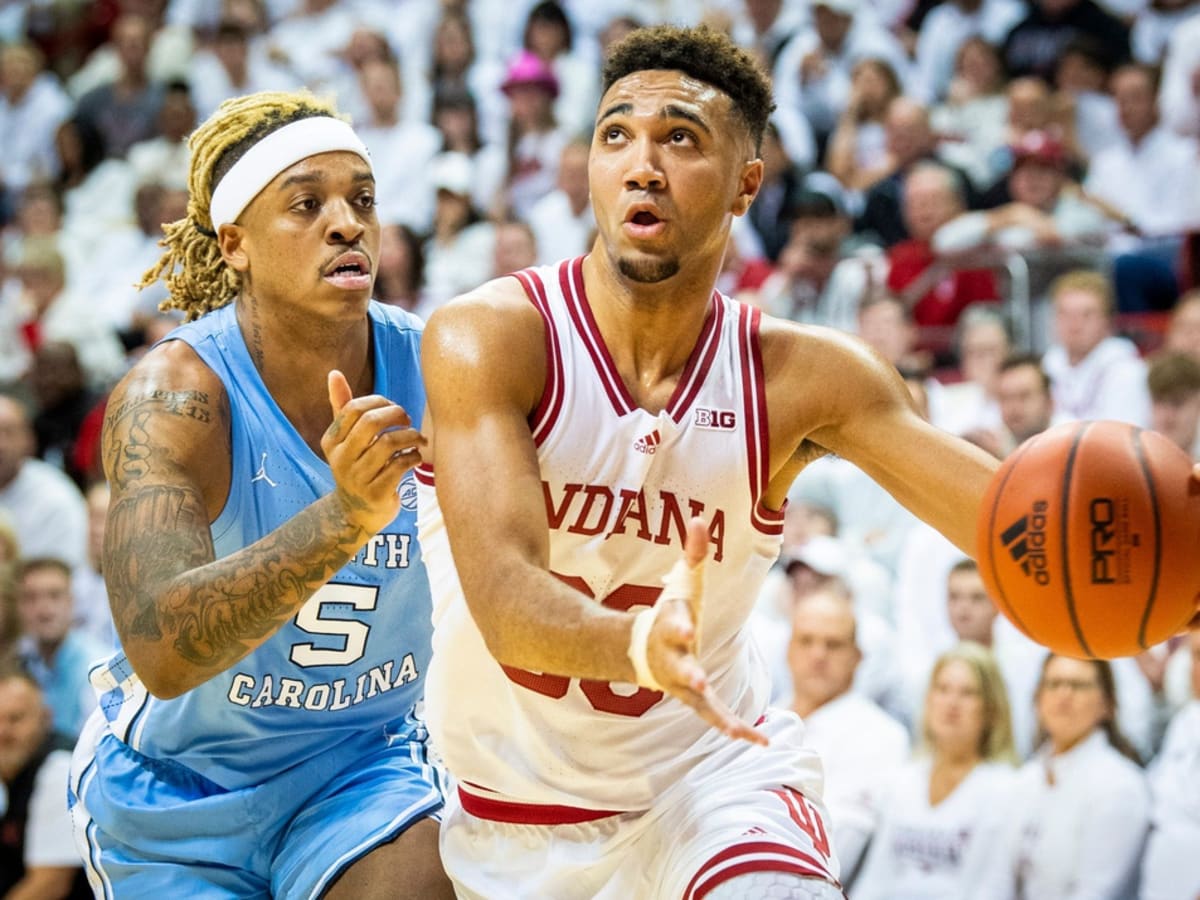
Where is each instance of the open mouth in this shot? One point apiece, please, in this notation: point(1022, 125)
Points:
point(350, 271)
point(644, 223)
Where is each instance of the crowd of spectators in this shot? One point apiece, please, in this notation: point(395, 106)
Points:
point(1000, 196)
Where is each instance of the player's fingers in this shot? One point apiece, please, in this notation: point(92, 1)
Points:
point(366, 420)
point(1196, 472)
point(716, 713)
point(393, 468)
point(348, 415)
point(695, 546)
point(403, 444)
point(339, 391)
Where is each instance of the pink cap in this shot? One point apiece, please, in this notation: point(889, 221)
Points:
point(529, 68)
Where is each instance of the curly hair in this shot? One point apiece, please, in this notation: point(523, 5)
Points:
point(196, 276)
point(704, 54)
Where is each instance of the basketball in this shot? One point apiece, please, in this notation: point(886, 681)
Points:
point(1089, 539)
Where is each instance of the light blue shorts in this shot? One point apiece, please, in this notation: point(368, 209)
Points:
point(150, 829)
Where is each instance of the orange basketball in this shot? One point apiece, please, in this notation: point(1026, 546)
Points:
point(1089, 539)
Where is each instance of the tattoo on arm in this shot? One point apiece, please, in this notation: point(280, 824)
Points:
point(129, 456)
point(171, 601)
point(151, 535)
point(167, 590)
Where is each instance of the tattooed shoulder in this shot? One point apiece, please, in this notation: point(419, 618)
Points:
point(147, 424)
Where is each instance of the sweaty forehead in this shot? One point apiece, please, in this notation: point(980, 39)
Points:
point(648, 91)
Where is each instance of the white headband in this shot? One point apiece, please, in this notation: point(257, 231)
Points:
point(281, 148)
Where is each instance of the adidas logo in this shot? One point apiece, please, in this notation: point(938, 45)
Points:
point(1025, 540)
point(649, 443)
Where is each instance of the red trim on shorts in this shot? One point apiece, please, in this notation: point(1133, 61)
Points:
point(810, 866)
point(745, 868)
point(551, 402)
point(699, 362)
point(570, 277)
point(528, 813)
point(424, 473)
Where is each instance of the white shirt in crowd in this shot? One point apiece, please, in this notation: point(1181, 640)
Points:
point(1082, 836)
point(943, 852)
point(211, 84)
point(401, 155)
point(1143, 181)
point(822, 99)
point(27, 129)
point(1108, 383)
point(861, 749)
point(47, 512)
point(1170, 866)
point(943, 32)
point(49, 839)
point(558, 232)
point(1177, 101)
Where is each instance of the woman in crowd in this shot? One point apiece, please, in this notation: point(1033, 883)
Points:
point(1082, 805)
point(535, 142)
point(945, 811)
point(456, 116)
point(857, 153)
point(400, 275)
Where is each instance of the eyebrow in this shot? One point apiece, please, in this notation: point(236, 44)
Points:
point(670, 111)
point(307, 178)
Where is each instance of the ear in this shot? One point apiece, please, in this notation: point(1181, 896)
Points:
point(750, 181)
point(230, 238)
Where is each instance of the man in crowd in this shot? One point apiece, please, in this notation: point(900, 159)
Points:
point(56, 653)
point(859, 743)
point(38, 860)
point(1094, 374)
point(1174, 382)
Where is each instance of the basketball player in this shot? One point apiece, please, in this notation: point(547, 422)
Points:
point(619, 417)
point(256, 735)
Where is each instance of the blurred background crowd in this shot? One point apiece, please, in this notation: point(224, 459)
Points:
point(1000, 196)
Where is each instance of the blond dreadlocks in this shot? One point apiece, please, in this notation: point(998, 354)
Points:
point(196, 276)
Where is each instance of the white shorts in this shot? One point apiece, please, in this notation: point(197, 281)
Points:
point(739, 810)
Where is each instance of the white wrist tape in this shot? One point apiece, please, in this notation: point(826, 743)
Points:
point(639, 639)
point(685, 582)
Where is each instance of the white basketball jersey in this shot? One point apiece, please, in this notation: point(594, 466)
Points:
point(620, 483)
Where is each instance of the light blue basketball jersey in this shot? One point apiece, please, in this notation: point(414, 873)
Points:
point(354, 657)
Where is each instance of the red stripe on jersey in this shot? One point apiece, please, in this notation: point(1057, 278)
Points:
point(528, 813)
point(699, 362)
point(769, 521)
point(747, 334)
point(766, 521)
point(424, 473)
point(551, 402)
point(570, 276)
point(792, 855)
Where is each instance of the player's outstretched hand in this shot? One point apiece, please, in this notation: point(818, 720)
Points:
point(674, 640)
point(369, 446)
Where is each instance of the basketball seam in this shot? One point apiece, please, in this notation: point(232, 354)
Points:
point(1066, 547)
point(1012, 611)
point(1145, 466)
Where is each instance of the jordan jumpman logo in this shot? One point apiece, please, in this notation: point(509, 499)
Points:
point(261, 474)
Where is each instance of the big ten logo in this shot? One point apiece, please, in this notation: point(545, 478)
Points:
point(1102, 515)
point(715, 419)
